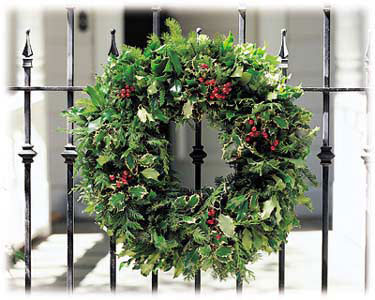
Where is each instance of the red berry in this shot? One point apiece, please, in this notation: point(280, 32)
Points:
point(204, 66)
point(251, 122)
point(126, 86)
point(265, 135)
point(254, 128)
point(273, 148)
point(112, 177)
point(118, 184)
point(257, 133)
point(251, 134)
point(211, 212)
point(212, 97)
point(218, 237)
point(248, 139)
point(276, 142)
point(201, 79)
point(124, 181)
point(228, 84)
point(125, 173)
point(132, 88)
point(211, 222)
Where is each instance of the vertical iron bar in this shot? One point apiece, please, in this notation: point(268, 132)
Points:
point(283, 54)
point(326, 154)
point(241, 40)
point(112, 250)
point(27, 155)
point(198, 155)
point(368, 160)
point(112, 242)
point(69, 153)
point(155, 30)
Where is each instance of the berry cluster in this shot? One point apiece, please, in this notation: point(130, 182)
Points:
point(126, 92)
point(121, 180)
point(212, 221)
point(254, 133)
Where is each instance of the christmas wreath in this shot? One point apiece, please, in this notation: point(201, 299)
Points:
point(124, 162)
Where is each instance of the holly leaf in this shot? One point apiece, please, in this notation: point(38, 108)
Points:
point(116, 200)
point(152, 88)
point(138, 191)
point(143, 115)
point(175, 61)
point(147, 160)
point(193, 201)
point(102, 159)
point(150, 173)
point(246, 240)
point(282, 123)
point(223, 251)
point(204, 251)
point(188, 109)
point(226, 225)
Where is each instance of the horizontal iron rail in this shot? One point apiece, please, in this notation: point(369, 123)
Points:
point(81, 88)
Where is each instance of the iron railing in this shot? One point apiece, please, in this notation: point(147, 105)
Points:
point(326, 155)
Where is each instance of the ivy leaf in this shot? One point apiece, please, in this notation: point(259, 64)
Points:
point(303, 200)
point(102, 159)
point(246, 240)
point(226, 225)
point(268, 207)
point(237, 72)
point(138, 191)
point(223, 251)
point(282, 123)
point(116, 200)
point(188, 109)
point(150, 173)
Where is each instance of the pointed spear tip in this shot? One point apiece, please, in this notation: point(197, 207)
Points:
point(113, 50)
point(199, 30)
point(27, 50)
point(283, 53)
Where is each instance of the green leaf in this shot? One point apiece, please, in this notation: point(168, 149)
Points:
point(96, 98)
point(245, 78)
point(226, 225)
point(102, 159)
point(94, 125)
point(271, 96)
point(175, 61)
point(147, 160)
point(303, 200)
point(117, 200)
point(150, 173)
point(129, 162)
point(188, 109)
point(143, 115)
point(246, 240)
point(237, 72)
point(282, 123)
point(138, 191)
point(178, 268)
point(280, 184)
point(268, 207)
point(176, 88)
point(188, 219)
point(204, 251)
point(146, 269)
point(223, 251)
point(158, 114)
point(193, 201)
point(152, 88)
point(228, 42)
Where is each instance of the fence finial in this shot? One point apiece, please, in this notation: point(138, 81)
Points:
point(198, 31)
point(113, 50)
point(27, 51)
point(283, 53)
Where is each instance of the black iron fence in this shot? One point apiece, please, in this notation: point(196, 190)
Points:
point(69, 154)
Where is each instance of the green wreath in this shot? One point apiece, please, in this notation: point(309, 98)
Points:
point(124, 162)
